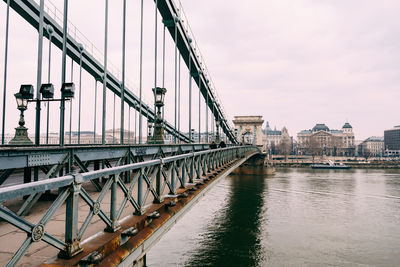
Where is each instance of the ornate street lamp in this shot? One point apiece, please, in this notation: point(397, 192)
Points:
point(236, 133)
point(192, 134)
point(21, 132)
point(149, 126)
point(159, 96)
point(217, 140)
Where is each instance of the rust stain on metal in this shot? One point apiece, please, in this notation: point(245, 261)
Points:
point(109, 244)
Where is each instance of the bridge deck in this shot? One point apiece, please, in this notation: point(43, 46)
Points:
point(40, 253)
point(207, 167)
point(12, 238)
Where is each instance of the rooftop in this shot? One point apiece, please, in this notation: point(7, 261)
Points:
point(374, 139)
point(305, 131)
point(347, 125)
point(395, 128)
point(320, 127)
point(272, 132)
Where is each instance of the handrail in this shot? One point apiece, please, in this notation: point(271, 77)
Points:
point(167, 173)
point(14, 191)
point(11, 192)
point(150, 178)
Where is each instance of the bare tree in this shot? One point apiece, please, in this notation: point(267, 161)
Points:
point(367, 153)
point(314, 147)
point(334, 143)
point(273, 148)
point(284, 147)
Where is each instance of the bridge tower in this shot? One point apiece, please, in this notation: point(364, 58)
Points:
point(249, 129)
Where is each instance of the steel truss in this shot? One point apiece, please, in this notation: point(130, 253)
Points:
point(56, 161)
point(151, 178)
point(30, 11)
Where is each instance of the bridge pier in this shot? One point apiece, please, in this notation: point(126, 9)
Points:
point(256, 165)
point(256, 160)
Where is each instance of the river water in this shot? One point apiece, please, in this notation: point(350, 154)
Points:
point(297, 217)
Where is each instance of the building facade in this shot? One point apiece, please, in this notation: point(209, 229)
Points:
point(392, 141)
point(275, 140)
point(371, 147)
point(320, 140)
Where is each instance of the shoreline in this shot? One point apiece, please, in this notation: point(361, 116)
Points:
point(354, 165)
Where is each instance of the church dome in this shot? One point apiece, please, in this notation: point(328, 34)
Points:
point(347, 126)
point(320, 127)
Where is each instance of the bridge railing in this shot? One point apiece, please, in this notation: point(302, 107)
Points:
point(153, 178)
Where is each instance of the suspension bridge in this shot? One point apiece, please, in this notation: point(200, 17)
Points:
point(82, 183)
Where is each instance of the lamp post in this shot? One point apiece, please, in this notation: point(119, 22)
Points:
point(159, 96)
point(236, 134)
point(67, 91)
point(192, 135)
point(47, 91)
point(149, 126)
point(21, 132)
point(217, 140)
point(25, 95)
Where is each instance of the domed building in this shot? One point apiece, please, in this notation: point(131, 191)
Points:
point(320, 140)
point(273, 138)
point(320, 127)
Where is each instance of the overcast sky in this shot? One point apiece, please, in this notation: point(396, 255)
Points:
point(295, 62)
point(303, 62)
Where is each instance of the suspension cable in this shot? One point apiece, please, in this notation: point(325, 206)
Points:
point(176, 87)
point(63, 71)
point(103, 126)
point(5, 73)
point(70, 103)
point(155, 62)
point(141, 72)
point(123, 76)
point(80, 93)
point(95, 110)
point(39, 73)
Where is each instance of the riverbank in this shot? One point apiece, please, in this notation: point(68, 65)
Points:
point(360, 165)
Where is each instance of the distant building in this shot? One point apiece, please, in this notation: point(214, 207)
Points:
point(204, 138)
point(357, 144)
point(272, 139)
point(324, 141)
point(85, 137)
point(392, 141)
point(372, 147)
